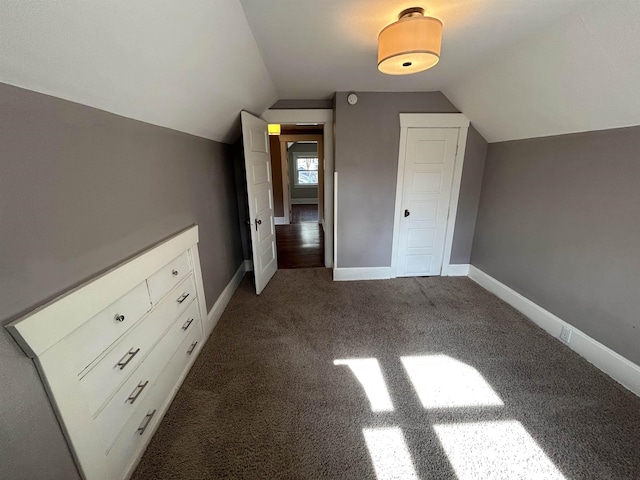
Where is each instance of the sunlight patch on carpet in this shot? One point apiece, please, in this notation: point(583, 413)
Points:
point(369, 374)
point(495, 450)
point(389, 454)
point(444, 382)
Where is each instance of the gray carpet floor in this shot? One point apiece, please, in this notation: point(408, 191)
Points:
point(264, 399)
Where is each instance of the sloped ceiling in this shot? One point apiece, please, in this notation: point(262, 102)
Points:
point(516, 68)
point(190, 65)
point(580, 74)
point(313, 48)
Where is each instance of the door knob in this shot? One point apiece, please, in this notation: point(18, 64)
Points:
point(258, 222)
point(407, 213)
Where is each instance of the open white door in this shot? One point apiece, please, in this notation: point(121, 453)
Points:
point(257, 161)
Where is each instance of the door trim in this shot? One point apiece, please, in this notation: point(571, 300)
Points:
point(431, 120)
point(325, 118)
point(284, 174)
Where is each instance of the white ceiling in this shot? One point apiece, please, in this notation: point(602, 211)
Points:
point(313, 48)
point(190, 65)
point(517, 68)
point(580, 74)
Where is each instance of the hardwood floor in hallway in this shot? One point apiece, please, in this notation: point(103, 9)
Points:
point(301, 244)
point(304, 213)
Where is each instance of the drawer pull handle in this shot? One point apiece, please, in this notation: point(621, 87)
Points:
point(136, 392)
point(192, 348)
point(187, 324)
point(130, 354)
point(174, 273)
point(182, 298)
point(145, 423)
point(119, 318)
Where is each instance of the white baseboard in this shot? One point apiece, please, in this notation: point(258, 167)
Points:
point(280, 221)
point(613, 364)
point(223, 300)
point(361, 273)
point(457, 270)
point(248, 266)
point(304, 201)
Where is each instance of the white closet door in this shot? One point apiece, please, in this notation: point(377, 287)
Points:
point(426, 191)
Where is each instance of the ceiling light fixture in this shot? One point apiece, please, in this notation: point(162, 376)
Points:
point(410, 45)
point(274, 129)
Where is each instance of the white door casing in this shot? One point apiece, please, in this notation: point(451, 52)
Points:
point(429, 173)
point(255, 139)
point(286, 186)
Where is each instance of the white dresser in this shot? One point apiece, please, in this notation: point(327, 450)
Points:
point(113, 352)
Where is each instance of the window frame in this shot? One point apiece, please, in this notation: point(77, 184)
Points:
point(296, 156)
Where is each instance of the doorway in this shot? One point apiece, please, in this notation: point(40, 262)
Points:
point(322, 121)
point(298, 200)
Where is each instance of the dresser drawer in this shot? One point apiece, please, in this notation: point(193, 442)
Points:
point(113, 352)
point(101, 381)
point(142, 424)
point(133, 391)
point(184, 355)
point(168, 277)
point(97, 334)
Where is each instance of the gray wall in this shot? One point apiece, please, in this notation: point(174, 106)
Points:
point(302, 104)
point(559, 222)
point(470, 187)
point(242, 196)
point(301, 192)
point(367, 137)
point(80, 191)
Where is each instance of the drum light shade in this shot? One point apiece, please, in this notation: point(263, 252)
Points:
point(410, 45)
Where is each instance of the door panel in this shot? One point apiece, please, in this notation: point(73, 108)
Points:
point(422, 211)
point(265, 230)
point(426, 190)
point(421, 237)
point(262, 200)
point(260, 191)
point(260, 173)
point(416, 264)
point(259, 143)
point(427, 182)
point(430, 152)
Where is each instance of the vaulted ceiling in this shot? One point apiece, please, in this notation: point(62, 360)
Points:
point(516, 68)
point(190, 65)
point(579, 74)
point(314, 48)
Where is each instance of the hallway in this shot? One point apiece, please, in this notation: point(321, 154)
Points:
point(301, 244)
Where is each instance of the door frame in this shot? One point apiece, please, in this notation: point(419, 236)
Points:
point(322, 117)
point(431, 120)
point(284, 159)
